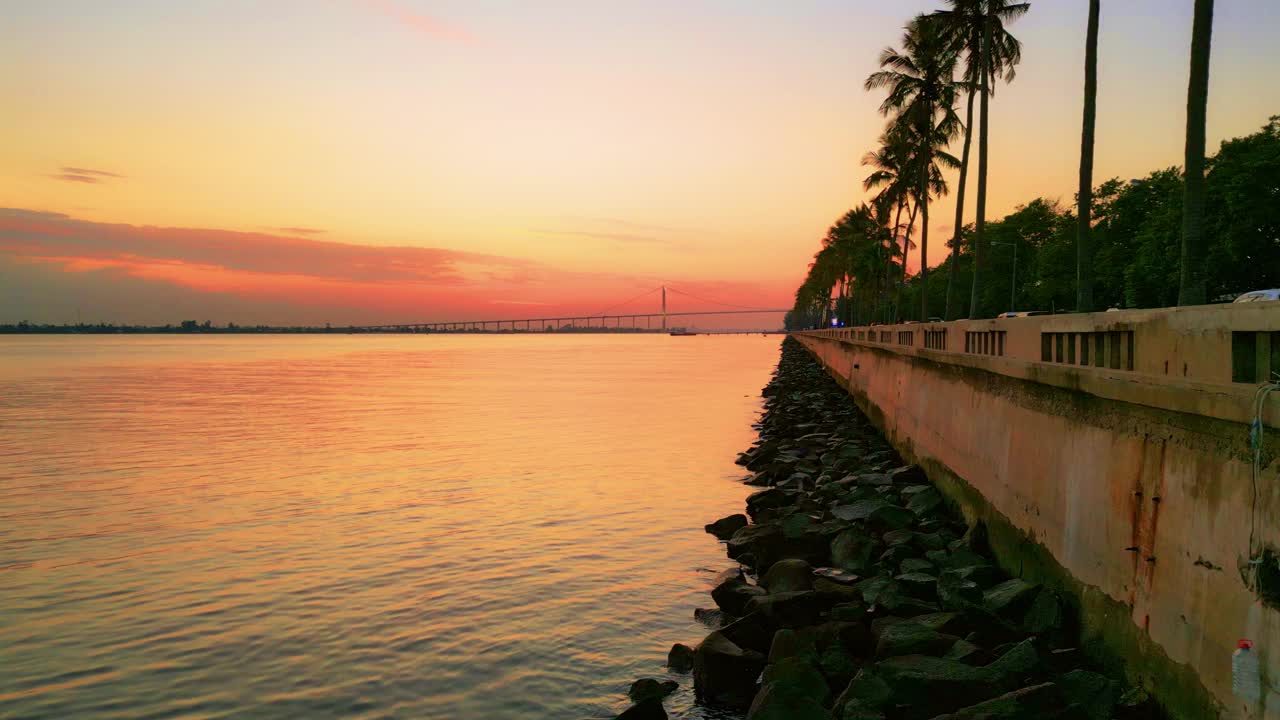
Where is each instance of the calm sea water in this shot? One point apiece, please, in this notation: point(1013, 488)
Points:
point(361, 526)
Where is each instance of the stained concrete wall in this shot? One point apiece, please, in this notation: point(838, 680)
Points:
point(1131, 489)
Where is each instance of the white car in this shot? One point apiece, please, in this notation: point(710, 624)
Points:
point(1260, 296)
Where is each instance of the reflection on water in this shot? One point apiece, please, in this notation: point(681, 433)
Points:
point(360, 527)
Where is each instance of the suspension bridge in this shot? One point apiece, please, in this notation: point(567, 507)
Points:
point(605, 320)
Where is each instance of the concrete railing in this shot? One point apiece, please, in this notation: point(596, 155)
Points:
point(1206, 359)
point(1109, 455)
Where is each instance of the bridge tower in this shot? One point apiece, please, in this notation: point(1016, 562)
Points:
point(664, 308)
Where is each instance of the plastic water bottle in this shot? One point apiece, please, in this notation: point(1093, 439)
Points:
point(1246, 682)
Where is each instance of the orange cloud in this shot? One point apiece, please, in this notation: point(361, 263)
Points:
point(83, 175)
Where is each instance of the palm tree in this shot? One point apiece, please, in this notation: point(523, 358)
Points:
point(891, 163)
point(1191, 280)
point(922, 94)
point(1084, 200)
point(977, 26)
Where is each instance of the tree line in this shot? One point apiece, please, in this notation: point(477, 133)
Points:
point(1174, 237)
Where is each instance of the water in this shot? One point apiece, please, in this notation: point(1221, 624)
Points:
point(360, 526)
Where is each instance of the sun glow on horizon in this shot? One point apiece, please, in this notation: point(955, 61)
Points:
point(431, 159)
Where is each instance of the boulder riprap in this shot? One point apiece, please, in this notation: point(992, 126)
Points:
point(725, 527)
point(860, 594)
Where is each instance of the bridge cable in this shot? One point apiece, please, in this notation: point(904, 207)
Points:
point(713, 302)
point(624, 302)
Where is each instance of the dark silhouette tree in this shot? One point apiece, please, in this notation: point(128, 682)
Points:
point(921, 100)
point(1084, 198)
point(1191, 276)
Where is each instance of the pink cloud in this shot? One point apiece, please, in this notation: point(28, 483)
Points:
point(418, 22)
point(284, 276)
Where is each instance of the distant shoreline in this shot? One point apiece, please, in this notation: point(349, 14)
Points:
point(28, 329)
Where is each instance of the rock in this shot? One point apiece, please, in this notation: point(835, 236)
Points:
point(834, 592)
point(975, 539)
point(789, 643)
point(710, 617)
point(797, 525)
point(648, 710)
point(1095, 694)
point(1064, 660)
point(915, 565)
point(855, 711)
point(910, 638)
point(747, 538)
point(876, 589)
point(853, 550)
point(1016, 667)
point(725, 527)
point(788, 576)
point(849, 612)
point(891, 517)
point(1037, 701)
point(777, 701)
point(850, 638)
point(908, 475)
point(1010, 599)
point(836, 575)
point(925, 502)
point(918, 585)
point(1044, 615)
point(725, 674)
point(648, 688)
point(797, 673)
point(907, 607)
point(866, 689)
point(935, 685)
point(936, 540)
point(787, 609)
point(733, 592)
point(968, 653)
point(797, 481)
point(753, 632)
point(944, 622)
point(956, 593)
point(860, 510)
point(768, 499)
point(898, 537)
point(680, 658)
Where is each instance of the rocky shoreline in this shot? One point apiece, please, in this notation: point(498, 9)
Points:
point(862, 595)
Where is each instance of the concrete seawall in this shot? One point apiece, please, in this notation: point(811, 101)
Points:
point(1109, 455)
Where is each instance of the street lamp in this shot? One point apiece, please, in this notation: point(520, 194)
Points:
point(1013, 283)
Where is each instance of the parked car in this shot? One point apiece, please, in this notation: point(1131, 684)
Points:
point(1022, 313)
point(1260, 296)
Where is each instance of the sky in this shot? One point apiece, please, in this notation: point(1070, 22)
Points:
point(386, 161)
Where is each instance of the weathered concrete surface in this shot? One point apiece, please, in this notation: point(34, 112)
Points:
point(1092, 480)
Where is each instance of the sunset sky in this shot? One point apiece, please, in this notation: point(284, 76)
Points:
point(369, 161)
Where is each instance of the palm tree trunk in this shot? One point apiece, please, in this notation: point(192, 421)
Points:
point(888, 264)
point(906, 246)
point(964, 176)
point(1084, 201)
point(924, 236)
point(1191, 285)
point(980, 223)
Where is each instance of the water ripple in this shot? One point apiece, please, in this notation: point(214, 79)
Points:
point(360, 527)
